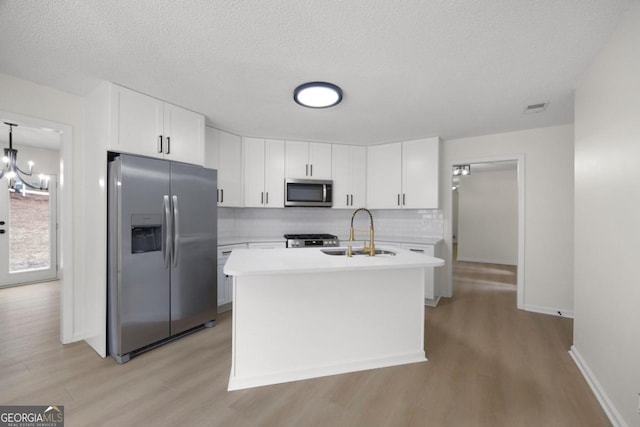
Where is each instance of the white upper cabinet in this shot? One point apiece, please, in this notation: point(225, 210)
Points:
point(403, 175)
point(144, 125)
point(223, 151)
point(420, 173)
point(384, 176)
point(349, 174)
point(263, 172)
point(308, 160)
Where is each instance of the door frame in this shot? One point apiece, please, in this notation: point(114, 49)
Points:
point(65, 217)
point(520, 159)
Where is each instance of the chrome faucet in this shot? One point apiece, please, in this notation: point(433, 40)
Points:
point(371, 248)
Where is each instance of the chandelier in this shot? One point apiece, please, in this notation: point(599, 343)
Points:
point(13, 173)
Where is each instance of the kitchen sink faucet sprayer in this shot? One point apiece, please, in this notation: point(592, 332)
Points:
point(371, 248)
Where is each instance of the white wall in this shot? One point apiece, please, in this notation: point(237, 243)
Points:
point(45, 161)
point(607, 223)
point(488, 217)
point(43, 103)
point(548, 258)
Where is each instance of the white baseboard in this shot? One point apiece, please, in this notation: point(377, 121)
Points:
point(238, 382)
point(549, 310)
point(608, 407)
point(487, 260)
point(432, 302)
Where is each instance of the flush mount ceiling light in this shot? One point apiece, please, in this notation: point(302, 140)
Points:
point(317, 95)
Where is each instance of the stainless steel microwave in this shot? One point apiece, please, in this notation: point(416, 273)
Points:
point(308, 192)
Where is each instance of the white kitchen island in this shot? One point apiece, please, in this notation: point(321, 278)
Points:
point(300, 313)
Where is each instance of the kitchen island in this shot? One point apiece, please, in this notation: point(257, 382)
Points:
point(304, 313)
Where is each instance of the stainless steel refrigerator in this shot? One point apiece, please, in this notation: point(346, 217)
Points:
point(162, 237)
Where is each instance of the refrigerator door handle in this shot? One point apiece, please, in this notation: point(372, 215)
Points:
point(166, 226)
point(176, 231)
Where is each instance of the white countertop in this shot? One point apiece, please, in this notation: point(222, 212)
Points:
point(243, 262)
point(342, 238)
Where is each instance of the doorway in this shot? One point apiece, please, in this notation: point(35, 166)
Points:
point(56, 209)
point(497, 236)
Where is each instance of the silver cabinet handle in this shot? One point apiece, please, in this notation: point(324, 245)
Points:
point(217, 195)
point(311, 169)
point(226, 252)
point(352, 200)
point(417, 250)
point(266, 198)
point(306, 170)
point(262, 198)
point(403, 199)
point(398, 199)
point(159, 143)
point(221, 195)
point(176, 231)
point(168, 144)
point(166, 226)
point(347, 200)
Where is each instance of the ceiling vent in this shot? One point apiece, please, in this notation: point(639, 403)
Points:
point(536, 108)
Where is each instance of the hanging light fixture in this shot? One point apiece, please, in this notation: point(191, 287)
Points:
point(317, 95)
point(461, 170)
point(11, 170)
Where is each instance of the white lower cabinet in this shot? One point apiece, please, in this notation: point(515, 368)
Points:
point(429, 277)
point(225, 283)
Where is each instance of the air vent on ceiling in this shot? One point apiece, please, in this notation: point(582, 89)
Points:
point(536, 108)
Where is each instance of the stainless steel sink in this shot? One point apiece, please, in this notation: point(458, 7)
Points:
point(343, 252)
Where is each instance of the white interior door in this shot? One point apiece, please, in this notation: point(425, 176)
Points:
point(28, 235)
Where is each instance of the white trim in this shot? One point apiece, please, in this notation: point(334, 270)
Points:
point(65, 218)
point(238, 383)
point(488, 261)
point(549, 310)
point(520, 158)
point(606, 403)
point(432, 302)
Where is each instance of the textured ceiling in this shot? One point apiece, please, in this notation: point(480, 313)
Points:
point(408, 69)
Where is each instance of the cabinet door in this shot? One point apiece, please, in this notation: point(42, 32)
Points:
point(429, 279)
point(420, 173)
point(341, 174)
point(274, 173)
point(223, 295)
point(384, 176)
point(230, 170)
point(184, 135)
point(319, 160)
point(212, 149)
point(137, 122)
point(358, 177)
point(297, 159)
point(253, 171)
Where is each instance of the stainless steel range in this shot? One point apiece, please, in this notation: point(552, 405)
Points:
point(310, 240)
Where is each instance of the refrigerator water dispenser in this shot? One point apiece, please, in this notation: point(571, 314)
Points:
point(146, 233)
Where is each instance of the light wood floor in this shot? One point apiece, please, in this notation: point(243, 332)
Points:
point(489, 365)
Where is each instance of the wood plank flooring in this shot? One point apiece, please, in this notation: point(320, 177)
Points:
point(489, 365)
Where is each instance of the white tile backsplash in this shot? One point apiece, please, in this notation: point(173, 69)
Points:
point(256, 223)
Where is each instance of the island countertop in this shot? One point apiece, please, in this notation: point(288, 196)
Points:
point(249, 262)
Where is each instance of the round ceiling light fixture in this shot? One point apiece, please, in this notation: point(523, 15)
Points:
point(317, 95)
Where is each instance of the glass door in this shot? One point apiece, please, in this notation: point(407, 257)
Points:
point(28, 234)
